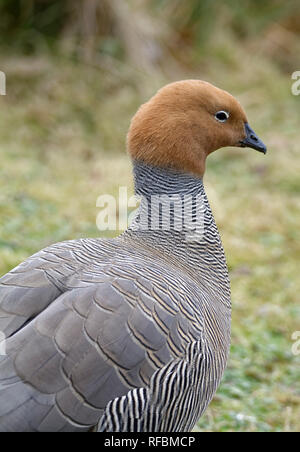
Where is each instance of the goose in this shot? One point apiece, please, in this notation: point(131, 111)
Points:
point(131, 334)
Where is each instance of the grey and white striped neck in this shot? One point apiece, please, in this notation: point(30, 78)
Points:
point(152, 180)
point(175, 218)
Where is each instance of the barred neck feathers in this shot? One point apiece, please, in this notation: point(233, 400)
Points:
point(175, 219)
point(151, 180)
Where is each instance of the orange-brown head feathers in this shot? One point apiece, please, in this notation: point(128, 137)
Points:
point(183, 123)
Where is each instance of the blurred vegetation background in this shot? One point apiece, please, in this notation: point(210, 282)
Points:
point(76, 73)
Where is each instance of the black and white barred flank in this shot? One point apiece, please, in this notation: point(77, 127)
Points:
point(176, 397)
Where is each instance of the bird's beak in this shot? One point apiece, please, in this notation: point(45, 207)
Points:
point(252, 140)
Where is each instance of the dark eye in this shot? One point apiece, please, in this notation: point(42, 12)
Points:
point(222, 116)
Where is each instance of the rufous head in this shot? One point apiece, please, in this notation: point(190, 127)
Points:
point(186, 121)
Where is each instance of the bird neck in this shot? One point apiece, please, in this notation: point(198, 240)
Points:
point(173, 206)
point(151, 181)
point(175, 219)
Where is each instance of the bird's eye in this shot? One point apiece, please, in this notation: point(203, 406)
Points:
point(222, 116)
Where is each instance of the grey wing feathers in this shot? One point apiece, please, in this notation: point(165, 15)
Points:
point(80, 347)
point(23, 296)
point(32, 286)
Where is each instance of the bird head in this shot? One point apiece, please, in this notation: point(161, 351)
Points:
point(185, 122)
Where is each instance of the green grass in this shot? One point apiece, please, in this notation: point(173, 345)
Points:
point(62, 144)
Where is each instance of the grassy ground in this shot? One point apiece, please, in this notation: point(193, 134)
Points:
point(62, 144)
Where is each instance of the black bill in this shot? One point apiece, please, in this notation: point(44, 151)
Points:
point(252, 140)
